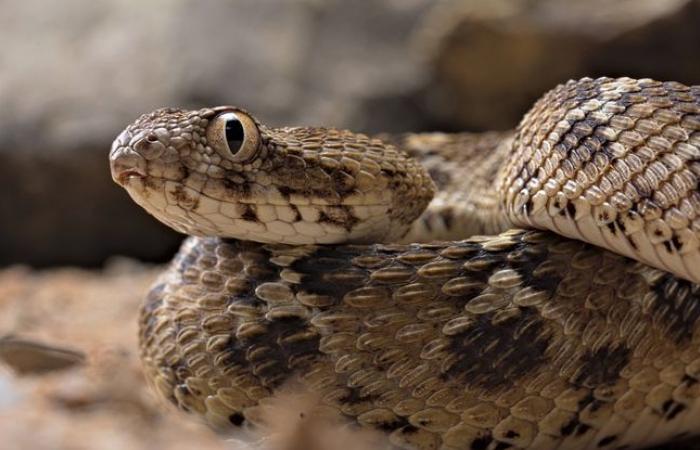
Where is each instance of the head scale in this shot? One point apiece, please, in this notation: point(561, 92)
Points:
point(219, 172)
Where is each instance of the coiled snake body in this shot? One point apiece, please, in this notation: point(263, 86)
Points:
point(585, 335)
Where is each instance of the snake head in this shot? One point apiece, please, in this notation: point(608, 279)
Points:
point(220, 172)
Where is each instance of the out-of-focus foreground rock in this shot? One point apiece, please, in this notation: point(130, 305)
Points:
point(74, 73)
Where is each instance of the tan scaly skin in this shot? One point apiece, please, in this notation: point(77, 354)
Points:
point(524, 339)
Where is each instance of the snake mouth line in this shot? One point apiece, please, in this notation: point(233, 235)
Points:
point(137, 174)
point(123, 178)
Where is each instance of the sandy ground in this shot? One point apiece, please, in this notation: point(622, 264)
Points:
point(101, 403)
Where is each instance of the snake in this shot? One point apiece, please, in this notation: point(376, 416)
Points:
point(531, 288)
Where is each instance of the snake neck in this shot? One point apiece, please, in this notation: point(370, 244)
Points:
point(466, 169)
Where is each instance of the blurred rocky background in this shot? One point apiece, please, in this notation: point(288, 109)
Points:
point(73, 73)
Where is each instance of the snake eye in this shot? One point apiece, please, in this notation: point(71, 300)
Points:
point(234, 136)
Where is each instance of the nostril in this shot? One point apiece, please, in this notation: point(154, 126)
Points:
point(149, 144)
point(149, 148)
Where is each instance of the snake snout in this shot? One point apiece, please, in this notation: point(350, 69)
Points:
point(125, 164)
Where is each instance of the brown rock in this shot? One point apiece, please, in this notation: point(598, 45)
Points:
point(27, 356)
point(491, 60)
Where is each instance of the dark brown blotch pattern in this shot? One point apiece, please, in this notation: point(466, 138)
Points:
point(677, 305)
point(602, 366)
point(274, 346)
point(521, 339)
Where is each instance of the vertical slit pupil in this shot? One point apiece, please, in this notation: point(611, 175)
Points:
point(234, 134)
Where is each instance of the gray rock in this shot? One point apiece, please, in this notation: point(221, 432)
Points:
point(9, 394)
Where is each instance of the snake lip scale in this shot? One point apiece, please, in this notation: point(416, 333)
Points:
point(535, 288)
